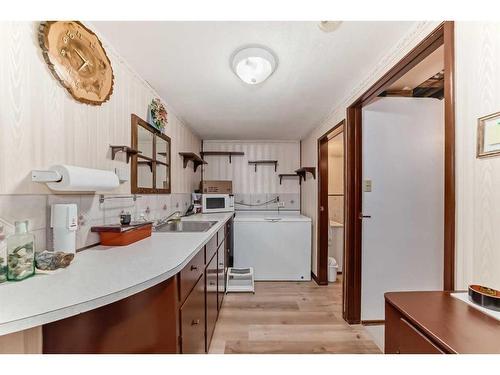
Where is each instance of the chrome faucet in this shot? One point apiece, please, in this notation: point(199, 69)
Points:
point(167, 219)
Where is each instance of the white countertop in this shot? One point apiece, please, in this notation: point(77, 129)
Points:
point(99, 276)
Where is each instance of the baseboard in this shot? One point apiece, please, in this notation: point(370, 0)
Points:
point(373, 322)
point(315, 278)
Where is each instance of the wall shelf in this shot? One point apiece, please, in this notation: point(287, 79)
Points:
point(146, 162)
point(191, 156)
point(221, 153)
point(128, 150)
point(281, 175)
point(304, 170)
point(256, 162)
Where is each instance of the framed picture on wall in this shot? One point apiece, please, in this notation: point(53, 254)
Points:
point(488, 135)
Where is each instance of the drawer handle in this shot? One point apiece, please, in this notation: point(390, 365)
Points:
point(194, 268)
point(195, 322)
point(212, 283)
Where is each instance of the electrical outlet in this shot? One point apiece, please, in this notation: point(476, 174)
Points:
point(281, 204)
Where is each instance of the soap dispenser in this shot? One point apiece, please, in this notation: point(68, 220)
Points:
point(21, 253)
point(64, 222)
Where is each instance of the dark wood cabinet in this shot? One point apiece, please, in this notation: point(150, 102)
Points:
point(190, 275)
point(192, 317)
point(210, 249)
point(211, 295)
point(435, 323)
point(145, 322)
point(221, 274)
point(175, 316)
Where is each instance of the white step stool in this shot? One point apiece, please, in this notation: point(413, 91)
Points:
point(240, 280)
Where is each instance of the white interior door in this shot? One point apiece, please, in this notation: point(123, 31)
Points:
point(403, 157)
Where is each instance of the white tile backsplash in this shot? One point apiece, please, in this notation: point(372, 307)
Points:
point(290, 200)
point(24, 207)
point(36, 209)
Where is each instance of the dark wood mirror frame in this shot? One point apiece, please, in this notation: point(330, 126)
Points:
point(137, 122)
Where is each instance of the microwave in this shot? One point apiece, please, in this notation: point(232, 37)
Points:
point(217, 203)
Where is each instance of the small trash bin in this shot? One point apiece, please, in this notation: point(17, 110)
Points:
point(332, 269)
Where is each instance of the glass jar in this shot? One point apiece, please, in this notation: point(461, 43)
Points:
point(3, 256)
point(21, 253)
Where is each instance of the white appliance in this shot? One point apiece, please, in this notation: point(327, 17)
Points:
point(217, 203)
point(276, 245)
point(64, 221)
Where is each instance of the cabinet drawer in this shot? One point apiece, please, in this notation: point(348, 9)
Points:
point(221, 235)
point(211, 296)
point(192, 318)
point(190, 275)
point(210, 248)
point(411, 341)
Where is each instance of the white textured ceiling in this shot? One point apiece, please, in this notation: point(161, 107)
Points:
point(188, 64)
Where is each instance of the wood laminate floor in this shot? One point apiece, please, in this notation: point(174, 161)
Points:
point(288, 317)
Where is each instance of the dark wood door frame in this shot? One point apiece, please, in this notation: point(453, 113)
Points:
point(442, 35)
point(323, 221)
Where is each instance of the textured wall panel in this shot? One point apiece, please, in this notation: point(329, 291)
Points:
point(477, 46)
point(41, 125)
point(245, 179)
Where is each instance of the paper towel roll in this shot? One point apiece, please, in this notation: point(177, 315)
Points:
point(83, 179)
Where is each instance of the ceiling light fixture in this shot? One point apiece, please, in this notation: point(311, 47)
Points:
point(329, 26)
point(253, 65)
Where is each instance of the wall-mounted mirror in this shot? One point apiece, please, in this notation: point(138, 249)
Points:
point(150, 169)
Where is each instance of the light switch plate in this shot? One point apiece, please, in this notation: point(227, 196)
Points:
point(367, 186)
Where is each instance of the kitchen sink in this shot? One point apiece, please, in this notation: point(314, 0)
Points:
point(185, 226)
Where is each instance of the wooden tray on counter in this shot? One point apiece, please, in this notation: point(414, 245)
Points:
point(122, 235)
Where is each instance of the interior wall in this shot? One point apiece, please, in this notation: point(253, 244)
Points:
point(41, 125)
point(402, 242)
point(309, 193)
point(256, 187)
point(477, 78)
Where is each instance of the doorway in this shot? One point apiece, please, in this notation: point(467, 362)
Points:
point(331, 203)
point(352, 273)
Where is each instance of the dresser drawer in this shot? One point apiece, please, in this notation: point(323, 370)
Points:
point(190, 275)
point(221, 235)
point(210, 249)
point(411, 341)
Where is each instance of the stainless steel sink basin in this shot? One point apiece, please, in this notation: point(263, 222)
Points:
point(185, 226)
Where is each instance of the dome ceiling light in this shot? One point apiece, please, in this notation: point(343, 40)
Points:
point(329, 26)
point(253, 65)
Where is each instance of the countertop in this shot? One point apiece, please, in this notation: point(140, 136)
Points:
point(99, 276)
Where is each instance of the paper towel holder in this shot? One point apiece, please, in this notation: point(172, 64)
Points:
point(45, 176)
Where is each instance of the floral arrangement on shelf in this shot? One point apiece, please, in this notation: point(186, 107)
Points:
point(157, 115)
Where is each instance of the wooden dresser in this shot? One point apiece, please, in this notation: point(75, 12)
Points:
point(437, 323)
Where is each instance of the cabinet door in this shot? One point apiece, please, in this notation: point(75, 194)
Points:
point(221, 273)
point(211, 288)
point(192, 315)
point(191, 274)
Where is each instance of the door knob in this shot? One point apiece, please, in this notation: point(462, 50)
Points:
point(321, 208)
